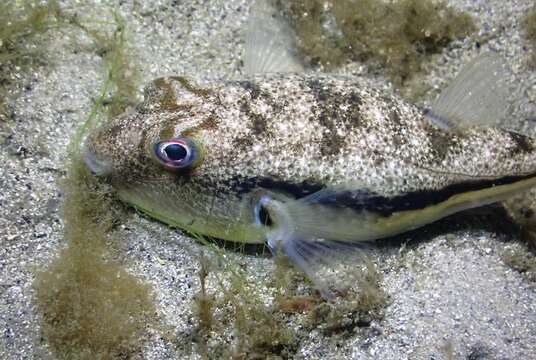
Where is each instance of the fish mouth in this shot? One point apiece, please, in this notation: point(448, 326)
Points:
point(98, 167)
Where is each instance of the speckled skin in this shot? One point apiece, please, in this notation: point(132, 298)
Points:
point(279, 132)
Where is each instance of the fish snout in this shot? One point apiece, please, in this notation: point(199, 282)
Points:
point(95, 164)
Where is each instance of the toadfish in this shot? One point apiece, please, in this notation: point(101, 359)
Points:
point(307, 162)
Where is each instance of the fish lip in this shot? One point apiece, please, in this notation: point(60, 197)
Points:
point(98, 167)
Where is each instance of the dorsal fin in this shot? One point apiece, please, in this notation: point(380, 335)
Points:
point(478, 96)
point(270, 42)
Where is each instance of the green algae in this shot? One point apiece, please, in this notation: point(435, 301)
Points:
point(123, 75)
point(22, 25)
point(272, 319)
point(357, 308)
point(90, 306)
point(399, 36)
point(529, 25)
point(26, 29)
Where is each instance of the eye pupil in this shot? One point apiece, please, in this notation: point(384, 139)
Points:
point(175, 152)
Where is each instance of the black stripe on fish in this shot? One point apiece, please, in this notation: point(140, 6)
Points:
point(299, 190)
point(363, 199)
point(370, 201)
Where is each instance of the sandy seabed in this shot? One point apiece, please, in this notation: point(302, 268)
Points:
point(451, 291)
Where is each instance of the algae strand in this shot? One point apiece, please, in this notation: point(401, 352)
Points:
point(90, 306)
point(204, 302)
point(258, 328)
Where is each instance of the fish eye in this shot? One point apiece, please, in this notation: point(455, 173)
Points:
point(178, 153)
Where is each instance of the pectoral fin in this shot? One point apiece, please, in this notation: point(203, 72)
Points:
point(314, 255)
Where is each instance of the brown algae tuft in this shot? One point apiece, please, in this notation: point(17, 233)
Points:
point(271, 322)
point(234, 320)
point(90, 306)
point(356, 308)
point(399, 35)
point(260, 329)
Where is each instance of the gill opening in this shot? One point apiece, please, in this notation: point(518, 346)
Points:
point(262, 214)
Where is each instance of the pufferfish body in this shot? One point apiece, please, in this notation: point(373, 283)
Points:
point(302, 161)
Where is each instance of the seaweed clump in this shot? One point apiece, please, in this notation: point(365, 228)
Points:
point(398, 35)
point(353, 309)
point(529, 23)
point(273, 325)
point(90, 306)
point(259, 330)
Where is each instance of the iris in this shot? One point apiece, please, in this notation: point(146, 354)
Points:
point(178, 153)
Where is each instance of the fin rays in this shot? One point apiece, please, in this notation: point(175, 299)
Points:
point(270, 44)
point(477, 96)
